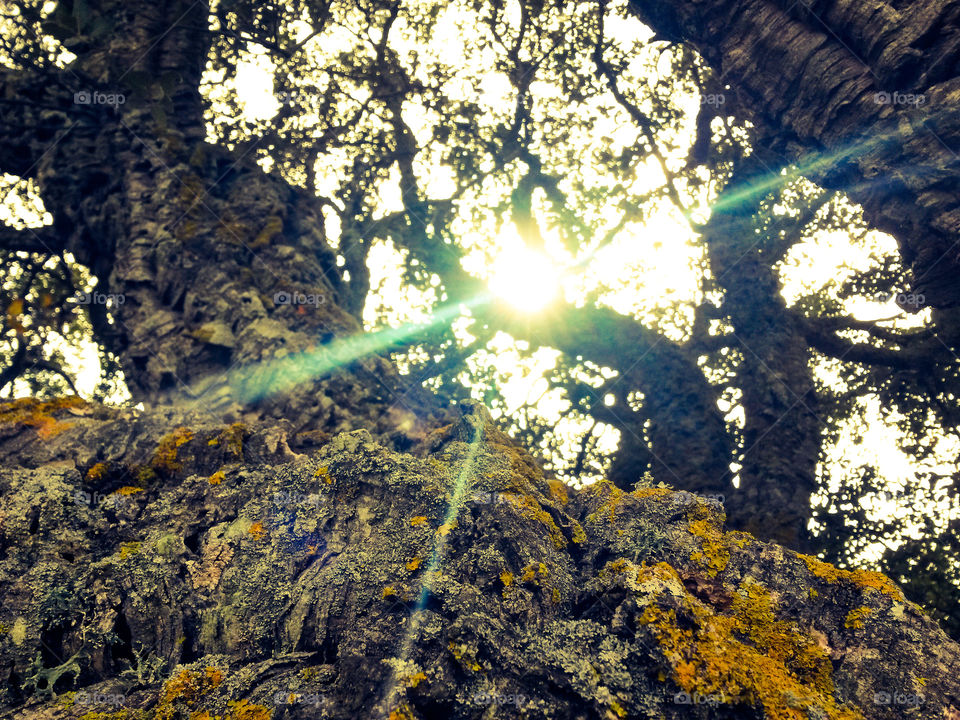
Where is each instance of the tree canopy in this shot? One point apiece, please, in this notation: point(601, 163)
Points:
point(653, 257)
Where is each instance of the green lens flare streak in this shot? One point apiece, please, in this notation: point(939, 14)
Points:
point(257, 381)
point(467, 472)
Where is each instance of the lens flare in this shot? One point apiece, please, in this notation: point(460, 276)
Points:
point(526, 279)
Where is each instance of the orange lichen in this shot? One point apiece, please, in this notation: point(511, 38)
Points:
point(856, 617)
point(747, 654)
point(418, 521)
point(97, 471)
point(323, 475)
point(39, 414)
point(244, 710)
point(529, 508)
point(650, 492)
point(413, 680)
point(217, 478)
point(187, 688)
point(165, 456)
point(714, 553)
point(867, 579)
point(414, 564)
point(257, 531)
point(128, 490)
point(559, 491)
point(402, 712)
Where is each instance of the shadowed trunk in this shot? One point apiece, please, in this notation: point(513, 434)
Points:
point(225, 288)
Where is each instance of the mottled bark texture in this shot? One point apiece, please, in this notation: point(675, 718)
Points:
point(217, 571)
point(228, 287)
point(863, 96)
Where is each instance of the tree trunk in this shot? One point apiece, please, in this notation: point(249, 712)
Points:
point(225, 288)
point(165, 564)
point(862, 96)
point(782, 433)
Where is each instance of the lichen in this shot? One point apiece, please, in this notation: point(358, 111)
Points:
point(186, 688)
point(39, 414)
point(165, 456)
point(747, 655)
point(866, 579)
point(529, 508)
point(856, 617)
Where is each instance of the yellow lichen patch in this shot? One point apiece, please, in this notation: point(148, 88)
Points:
point(418, 521)
point(861, 578)
point(273, 227)
point(165, 456)
point(402, 712)
point(257, 530)
point(506, 577)
point(128, 490)
point(216, 478)
point(856, 617)
point(310, 673)
point(390, 592)
point(650, 492)
point(559, 491)
point(747, 654)
point(97, 471)
point(129, 549)
point(188, 688)
point(323, 475)
point(529, 508)
point(38, 414)
point(446, 528)
point(714, 554)
point(579, 535)
point(414, 564)
point(464, 655)
point(612, 497)
point(413, 680)
point(244, 710)
point(617, 709)
point(555, 596)
point(534, 573)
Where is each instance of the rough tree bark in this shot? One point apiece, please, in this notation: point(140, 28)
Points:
point(166, 564)
point(862, 95)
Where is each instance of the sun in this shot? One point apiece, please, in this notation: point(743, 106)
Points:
point(525, 278)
